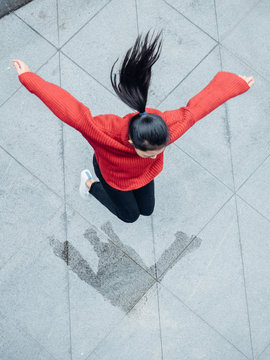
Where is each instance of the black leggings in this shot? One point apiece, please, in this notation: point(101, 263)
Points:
point(126, 205)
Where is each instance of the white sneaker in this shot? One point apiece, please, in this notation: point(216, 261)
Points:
point(84, 191)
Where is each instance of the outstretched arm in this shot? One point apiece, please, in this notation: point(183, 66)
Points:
point(58, 100)
point(224, 86)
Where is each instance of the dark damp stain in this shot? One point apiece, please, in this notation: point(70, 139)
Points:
point(119, 279)
point(179, 247)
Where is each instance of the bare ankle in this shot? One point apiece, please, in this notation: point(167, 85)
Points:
point(89, 183)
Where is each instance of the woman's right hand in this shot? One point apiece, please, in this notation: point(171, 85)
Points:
point(20, 66)
point(248, 79)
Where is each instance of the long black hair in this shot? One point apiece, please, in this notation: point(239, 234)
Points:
point(147, 131)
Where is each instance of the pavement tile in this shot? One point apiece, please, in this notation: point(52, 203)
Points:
point(18, 41)
point(257, 189)
point(209, 279)
point(42, 16)
point(253, 46)
point(137, 336)
point(26, 206)
point(105, 38)
point(34, 291)
point(208, 140)
point(207, 14)
point(14, 343)
point(248, 122)
point(200, 12)
point(36, 139)
point(265, 355)
point(185, 336)
point(230, 13)
point(84, 10)
point(187, 197)
point(255, 239)
point(104, 283)
point(184, 45)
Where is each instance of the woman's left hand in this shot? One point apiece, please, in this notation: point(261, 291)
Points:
point(249, 80)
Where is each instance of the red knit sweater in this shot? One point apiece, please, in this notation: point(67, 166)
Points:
point(120, 165)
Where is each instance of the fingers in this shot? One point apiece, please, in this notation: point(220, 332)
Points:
point(249, 79)
point(251, 82)
point(16, 63)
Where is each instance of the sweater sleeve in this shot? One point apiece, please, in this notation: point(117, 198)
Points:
point(59, 101)
point(222, 87)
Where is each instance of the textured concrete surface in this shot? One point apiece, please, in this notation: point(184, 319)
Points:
point(191, 282)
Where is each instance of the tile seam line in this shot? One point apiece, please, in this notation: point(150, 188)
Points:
point(201, 318)
point(230, 31)
point(87, 22)
point(187, 75)
point(87, 73)
point(228, 130)
point(137, 21)
point(25, 330)
point(21, 85)
point(37, 33)
point(64, 183)
point(217, 27)
point(162, 275)
point(243, 61)
point(252, 207)
point(154, 244)
point(104, 338)
point(267, 346)
point(244, 277)
point(255, 170)
point(190, 21)
point(175, 260)
point(23, 246)
point(203, 167)
point(119, 322)
point(74, 34)
point(159, 319)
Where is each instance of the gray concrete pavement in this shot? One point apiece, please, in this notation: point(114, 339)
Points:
point(190, 282)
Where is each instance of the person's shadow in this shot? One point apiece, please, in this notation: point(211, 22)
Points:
point(118, 278)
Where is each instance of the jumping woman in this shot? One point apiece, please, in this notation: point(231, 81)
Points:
point(129, 150)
